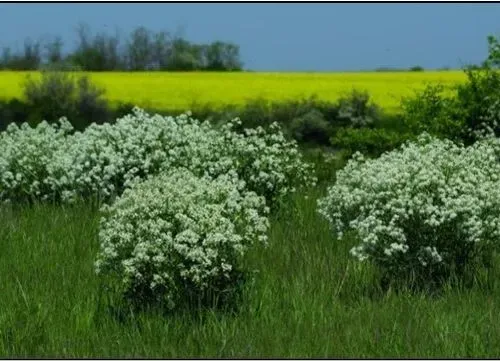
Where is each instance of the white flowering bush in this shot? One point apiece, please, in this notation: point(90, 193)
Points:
point(26, 153)
point(270, 165)
point(428, 208)
point(105, 159)
point(178, 232)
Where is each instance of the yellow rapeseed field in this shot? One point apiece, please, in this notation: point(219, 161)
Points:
point(163, 90)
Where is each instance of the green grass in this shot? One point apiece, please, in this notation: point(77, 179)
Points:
point(310, 299)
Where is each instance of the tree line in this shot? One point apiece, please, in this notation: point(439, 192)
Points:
point(142, 50)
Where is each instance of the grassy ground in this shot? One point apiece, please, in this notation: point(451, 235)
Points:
point(166, 91)
point(310, 299)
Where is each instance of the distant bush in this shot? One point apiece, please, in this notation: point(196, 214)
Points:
point(371, 142)
point(431, 110)
point(12, 111)
point(490, 125)
point(176, 236)
point(311, 127)
point(459, 116)
point(58, 94)
point(422, 213)
point(466, 113)
point(416, 68)
point(306, 120)
point(388, 69)
point(357, 110)
point(292, 115)
point(475, 99)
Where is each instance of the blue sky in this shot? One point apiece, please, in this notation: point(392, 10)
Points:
point(286, 37)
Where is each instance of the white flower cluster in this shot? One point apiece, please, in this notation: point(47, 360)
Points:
point(25, 154)
point(269, 164)
point(177, 229)
point(419, 206)
point(105, 159)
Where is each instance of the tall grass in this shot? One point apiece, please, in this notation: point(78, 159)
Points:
point(309, 300)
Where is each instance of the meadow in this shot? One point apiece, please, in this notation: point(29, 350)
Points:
point(165, 91)
point(308, 298)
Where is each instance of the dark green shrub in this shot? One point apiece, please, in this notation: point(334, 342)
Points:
point(430, 110)
point(311, 127)
point(12, 111)
point(291, 114)
point(58, 94)
point(254, 113)
point(475, 98)
point(490, 121)
point(464, 115)
point(368, 141)
point(89, 103)
point(416, 68)
point(493, 52)
point(122, 109)
point(357, 110)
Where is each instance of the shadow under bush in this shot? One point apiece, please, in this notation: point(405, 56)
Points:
point(225, 295)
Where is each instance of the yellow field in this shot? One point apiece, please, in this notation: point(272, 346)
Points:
point(181, 90)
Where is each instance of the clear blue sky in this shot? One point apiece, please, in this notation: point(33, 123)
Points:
point(286, 37)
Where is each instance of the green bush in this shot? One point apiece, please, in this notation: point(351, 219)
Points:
point(490, 121)
point(475, 99)
point(465, 114)
point(372, 142)
point(12, 111)
point(357, 110)
point(295, 116)
point(311, 127)
point(416, 68)
point(58, 94)
point(430, 110)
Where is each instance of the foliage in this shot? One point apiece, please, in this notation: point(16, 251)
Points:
point(368, 141)
point(422, 213)
point(103, 160)
point(416, 68)
point(177, 233)
point(493, 52)
point(12, 111)
point(57, 94)
point(310, 127)
point(30, 58)
point(431, 110)
point(26, 154)
point(464, 114)
point(142, 51)
point(357, 109)
point(475, 99)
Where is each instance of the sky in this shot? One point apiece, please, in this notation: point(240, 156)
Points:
point(285, 37)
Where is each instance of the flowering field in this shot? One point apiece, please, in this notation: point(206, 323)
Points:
point(181, 90)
